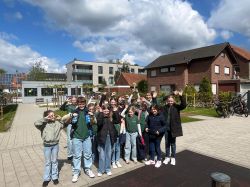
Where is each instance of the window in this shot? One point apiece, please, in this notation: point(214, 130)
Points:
point(132, 70)
point(64, 90)
point(167, 89)
point(172, 69)
point(153, 88)
point(214, 89)
point(100, 70)
point(75, 91)
point(153, 73)
point(111, 70)
point(30, 91)
point(164, 70)
point(216, 69)
point(100, 80)
point(226, 70)
point(141, 70)
point(197, 87)
point(222, 55)
point(47, 91)
point(111, 80)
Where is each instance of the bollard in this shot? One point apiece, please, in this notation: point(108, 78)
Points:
point(220, 180)
point(248, 101)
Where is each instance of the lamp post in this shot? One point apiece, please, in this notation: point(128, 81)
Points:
point(16, 87)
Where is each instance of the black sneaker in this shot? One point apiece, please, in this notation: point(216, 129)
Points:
point(70, 158)
point(56, 181)
point(45, 183)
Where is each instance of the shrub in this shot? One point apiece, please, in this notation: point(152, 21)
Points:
point(205, 91)
point(142, 86)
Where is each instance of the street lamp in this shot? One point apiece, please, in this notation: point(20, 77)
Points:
point(16, 87)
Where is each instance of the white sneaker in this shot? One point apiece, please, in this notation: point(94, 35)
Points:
point(75, 178)
point(173, 162)
point(114, 165)
point(90, 173)
point(118, 164)
point(150, 162)
point(166, 160)
point(158, 164)
point(99, 174)
point(109, 173)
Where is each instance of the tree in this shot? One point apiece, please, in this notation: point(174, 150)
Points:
point(37, 72)
point(205, 90)
point(117, 75)
point(190, 93)
point(2, 71)
point(124, 69)
point(142, 86)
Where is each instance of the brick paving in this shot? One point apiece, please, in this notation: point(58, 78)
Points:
point(21, 149)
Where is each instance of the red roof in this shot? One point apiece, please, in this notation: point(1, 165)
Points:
point(130, 78)
point(242, 52)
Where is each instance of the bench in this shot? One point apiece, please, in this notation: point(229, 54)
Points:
point(39, 100)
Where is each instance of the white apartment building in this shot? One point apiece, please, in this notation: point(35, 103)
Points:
point(94, 73)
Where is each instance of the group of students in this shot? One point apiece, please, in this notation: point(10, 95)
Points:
point(95, 132)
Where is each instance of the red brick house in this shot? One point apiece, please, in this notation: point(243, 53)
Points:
point(173, 71)
point(243, 58)
point(126, 81)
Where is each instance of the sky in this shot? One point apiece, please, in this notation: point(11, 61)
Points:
point(136, 31)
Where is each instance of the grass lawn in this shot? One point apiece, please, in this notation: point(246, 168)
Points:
point(9, 113)
point(200, 111)
point(60, 112)
point(186, 119)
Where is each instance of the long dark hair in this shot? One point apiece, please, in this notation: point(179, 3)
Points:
point(106, 106)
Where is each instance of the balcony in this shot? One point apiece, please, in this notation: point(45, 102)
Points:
point(84, 81)
point(82, 71)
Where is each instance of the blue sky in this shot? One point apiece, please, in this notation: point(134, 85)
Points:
point(138, 31)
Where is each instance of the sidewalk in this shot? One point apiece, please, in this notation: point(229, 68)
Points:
point(21, 149)
point(21, 154)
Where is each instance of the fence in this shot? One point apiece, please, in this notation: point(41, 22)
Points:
point(196, 100)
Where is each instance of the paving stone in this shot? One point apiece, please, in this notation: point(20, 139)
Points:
point(22, 159)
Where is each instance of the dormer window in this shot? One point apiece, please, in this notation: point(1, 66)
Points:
point(172, 69)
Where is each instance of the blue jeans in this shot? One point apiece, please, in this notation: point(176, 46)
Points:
point(131, 145)
point(170, 142)
point(105, 156)
point(155, 146)
point(80, 147)
point(51, 163)
point(116, 151)
point(94, 148)
point(69, 141)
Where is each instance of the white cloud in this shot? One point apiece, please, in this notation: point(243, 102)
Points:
point(7, 36)
point(232, 15)
point(13, 16)
point(128, 58)
point(141, 28)
point(23, 57)
point(18, 15)
point(226, 34)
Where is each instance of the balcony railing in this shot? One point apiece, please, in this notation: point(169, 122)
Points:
point(82, 71)
point(84, 81)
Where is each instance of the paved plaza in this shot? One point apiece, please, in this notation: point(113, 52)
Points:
point(21, 149)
